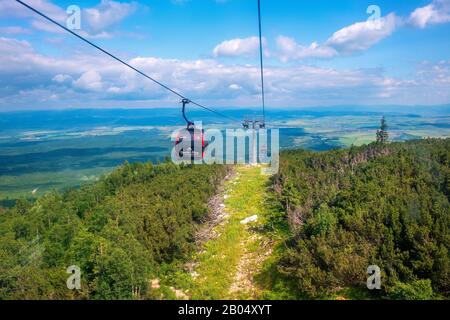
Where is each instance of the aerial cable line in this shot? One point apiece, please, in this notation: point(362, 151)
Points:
point(261, 63)
point(123, 62)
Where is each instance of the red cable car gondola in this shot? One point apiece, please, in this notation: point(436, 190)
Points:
point(190, 143)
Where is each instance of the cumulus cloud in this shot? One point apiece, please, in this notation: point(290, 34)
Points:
point(436, 12)
point(90, 80)
point(238, 47)
point(79, 80)
point(13, 9)
point(363, 35)
point(356, 37)
point(18, 57)
point(437, 73)
point(61, 78)
point(96, 21)
point(107, 14)
point(289, 49)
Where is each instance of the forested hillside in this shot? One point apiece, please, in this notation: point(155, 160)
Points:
point(330, 215)
point(121, 231)
point(381, 204)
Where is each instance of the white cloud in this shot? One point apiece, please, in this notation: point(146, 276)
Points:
point(435, 13)
point(46, 26)
point(238, 47)
point(14, 30)
point(289, 49)
point(80, 80)
point(14, 52)
point(13, 9)
point(363, 35)
point(61, 78)
point(107, 14)
point(356, 37)
point(96, 21)
point(90, 80)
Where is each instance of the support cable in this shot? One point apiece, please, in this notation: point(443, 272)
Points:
point(123, 62)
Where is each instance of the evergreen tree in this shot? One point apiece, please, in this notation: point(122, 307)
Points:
point(382, 134)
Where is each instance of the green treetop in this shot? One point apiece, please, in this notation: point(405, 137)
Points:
point(382, 134)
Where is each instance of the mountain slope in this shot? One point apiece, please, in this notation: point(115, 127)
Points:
point(328, 217)
point(385, 205)
point(120, 231)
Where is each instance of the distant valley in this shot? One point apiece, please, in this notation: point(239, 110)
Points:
point(45, 150)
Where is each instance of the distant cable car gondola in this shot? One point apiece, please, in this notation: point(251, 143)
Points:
point(190, 143)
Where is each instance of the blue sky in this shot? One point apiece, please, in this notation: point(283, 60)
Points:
point(317, 53)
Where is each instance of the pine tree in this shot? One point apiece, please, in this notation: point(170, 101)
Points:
point(382, 134)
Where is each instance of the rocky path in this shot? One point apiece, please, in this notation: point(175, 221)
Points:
point(235, 246)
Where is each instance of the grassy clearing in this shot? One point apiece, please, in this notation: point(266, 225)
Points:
point(357, 139)
point(219, 261)
point(221, 258)
point(21, 186)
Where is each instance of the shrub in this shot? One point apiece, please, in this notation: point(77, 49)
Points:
point(416, 290)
